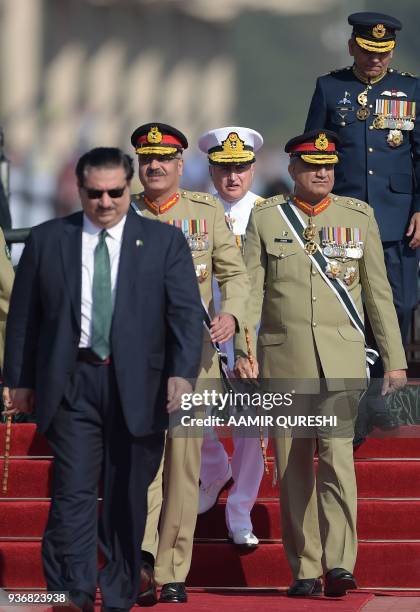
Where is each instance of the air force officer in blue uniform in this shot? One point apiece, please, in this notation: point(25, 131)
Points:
point(375, 111)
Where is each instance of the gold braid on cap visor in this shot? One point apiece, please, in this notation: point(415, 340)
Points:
point(157, 150)
point(222, 157)
point(320, 159)
point(375, 47)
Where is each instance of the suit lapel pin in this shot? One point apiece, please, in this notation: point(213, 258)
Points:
point(139, 243)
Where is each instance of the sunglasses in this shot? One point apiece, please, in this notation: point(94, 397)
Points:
point(96, 194)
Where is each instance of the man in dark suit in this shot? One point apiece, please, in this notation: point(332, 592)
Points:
point(105, 328)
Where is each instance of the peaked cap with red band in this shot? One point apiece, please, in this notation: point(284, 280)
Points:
point(158, 139)
point(314, 147)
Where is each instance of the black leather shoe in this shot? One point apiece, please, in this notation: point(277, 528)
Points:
point(338, 581)
point(147, 594)
point(173, 592)
point(305, 587)
point(80, 600)
point(108, 609)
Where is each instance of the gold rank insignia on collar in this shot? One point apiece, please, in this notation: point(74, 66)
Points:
point(159, 209)
point(311, 209)
point(368, 81)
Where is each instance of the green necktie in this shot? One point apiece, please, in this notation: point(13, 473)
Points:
point(101, 299)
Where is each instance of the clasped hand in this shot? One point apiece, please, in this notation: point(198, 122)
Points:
point(18, 401)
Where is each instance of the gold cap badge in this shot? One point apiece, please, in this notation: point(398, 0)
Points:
point(233, 144)
point(379, 31)
point(154, 136)
point(321, 143)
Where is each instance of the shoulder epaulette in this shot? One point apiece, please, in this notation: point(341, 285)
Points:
point(339, 70)
point(402, 73)
point(199, 196)
point(354, 204)
point(273, 201)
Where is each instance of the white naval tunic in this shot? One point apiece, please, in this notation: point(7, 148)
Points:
point(239, 214)
point(247, 462)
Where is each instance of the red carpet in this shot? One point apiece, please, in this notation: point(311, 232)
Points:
point(400, 519)
point(270, 602)
point(388, 474)
point(402, 442)
point(376, 479)
point(252, 601)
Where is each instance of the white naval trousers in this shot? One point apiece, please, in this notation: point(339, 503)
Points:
point(247, 471)
point(247, 462)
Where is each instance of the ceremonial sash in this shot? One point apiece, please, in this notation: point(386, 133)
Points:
point(296, 224)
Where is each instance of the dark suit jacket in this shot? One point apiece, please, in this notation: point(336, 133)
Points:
point(386, 177)
point(157, 322)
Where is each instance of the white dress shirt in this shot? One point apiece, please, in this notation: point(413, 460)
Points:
point(90, 238)
point(239, 213)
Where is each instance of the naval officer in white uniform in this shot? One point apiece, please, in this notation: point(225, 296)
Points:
point(231, 155)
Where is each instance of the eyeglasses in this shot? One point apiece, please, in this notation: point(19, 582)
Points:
point(96, 194)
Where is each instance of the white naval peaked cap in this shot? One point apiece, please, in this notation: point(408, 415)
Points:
point(231, 145)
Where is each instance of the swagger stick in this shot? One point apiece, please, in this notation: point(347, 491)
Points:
point(252, 362)
point(7, 439)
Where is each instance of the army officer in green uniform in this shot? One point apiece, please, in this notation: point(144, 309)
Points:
point(7, 277)
point(306, 255)
point(6, 282)
point(201, 217)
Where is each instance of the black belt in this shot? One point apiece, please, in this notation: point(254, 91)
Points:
point(86, 355)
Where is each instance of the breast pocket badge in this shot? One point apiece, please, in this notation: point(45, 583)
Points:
point(350, 275)
point(201, 272)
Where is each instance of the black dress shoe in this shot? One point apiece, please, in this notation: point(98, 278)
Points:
point(381, 415)
point(147, 594)
point(338, 581)
point(305, 587)
point(110, 609)
point(173, 592)
point(80, 600)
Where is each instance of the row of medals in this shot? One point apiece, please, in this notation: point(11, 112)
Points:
point(395, 124)
point(199, 242)
point(351, 250)
point(343, 252)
